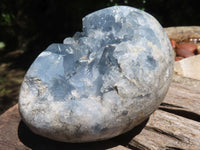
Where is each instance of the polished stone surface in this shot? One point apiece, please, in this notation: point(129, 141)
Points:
point(100, 83)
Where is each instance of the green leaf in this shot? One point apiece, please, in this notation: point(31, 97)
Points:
point(6, 19)
point(2, 45)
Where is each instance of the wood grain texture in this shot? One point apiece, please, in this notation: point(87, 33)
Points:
point(175, 125)
point(9, 122)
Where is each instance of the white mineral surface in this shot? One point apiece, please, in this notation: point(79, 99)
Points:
point(100, 83)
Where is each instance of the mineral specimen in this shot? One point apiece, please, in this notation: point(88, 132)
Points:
point(100, 83)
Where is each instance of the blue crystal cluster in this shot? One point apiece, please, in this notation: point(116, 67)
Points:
point(101, 82)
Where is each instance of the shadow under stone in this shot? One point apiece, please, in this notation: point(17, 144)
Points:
point(37, 142)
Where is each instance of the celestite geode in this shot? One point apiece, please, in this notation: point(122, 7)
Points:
point(100, 83)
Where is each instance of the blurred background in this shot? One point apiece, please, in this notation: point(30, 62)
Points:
point(27, 27)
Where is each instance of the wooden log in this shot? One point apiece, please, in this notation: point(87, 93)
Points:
point(9, 122)
point(175, 125)
point(166, 130)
